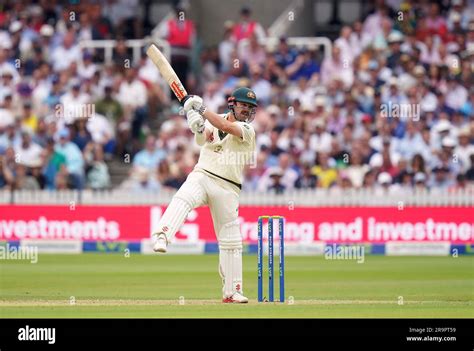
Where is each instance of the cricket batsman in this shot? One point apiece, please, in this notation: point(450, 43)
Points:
point(227, 144)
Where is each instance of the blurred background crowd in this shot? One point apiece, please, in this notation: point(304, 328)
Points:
point(390, 109)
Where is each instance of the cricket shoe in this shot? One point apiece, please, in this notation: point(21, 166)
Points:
point(160, 243)
point(236, 298)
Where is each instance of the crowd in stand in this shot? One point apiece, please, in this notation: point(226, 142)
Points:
point(390, 108)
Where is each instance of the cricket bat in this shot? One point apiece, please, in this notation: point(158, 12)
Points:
point(167, 72)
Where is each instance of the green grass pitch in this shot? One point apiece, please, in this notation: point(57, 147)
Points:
point(150, 286)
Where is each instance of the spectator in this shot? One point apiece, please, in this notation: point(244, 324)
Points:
point(275, 185)
point(102, 132)
point(370, 180)
point(384, 181)
point(54, 162)
point(303, 67)
point(344, 44)
point(324, 170)
point(420, 181)
point(356, 170)
point(226, 47)
point(143, 182)
point(87, 68)
point(150, 157)
point(66, 54)
point(180, 33)
point(321, 140)
point(81, 135)
point(74, 160)
point(98, 177)
point(29, 118)
point(109, 106)
point(284, 56)
point(260, 85)
point(470, 171)
point(247, 27)
point(306, 180)
point(27, 153)
point(73, 104)
point(121, 56)
point(440, 178)
point(252, 53)
point(132, 96)
point(464, 149)
point(279, 178)
point(336, 67)
point(7, 177)
point(22, 180)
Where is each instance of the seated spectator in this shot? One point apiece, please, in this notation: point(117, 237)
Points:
point(356, 170)
point(150, 157)
point(143, 181)
point(284, 55)
point(11, 137)
point(74, 104)
point(306, 180)
point(288, 175)
point(103, 133)
point(304, 66)
point(464, 149)
point(178, 178)
point(7, 177)
point(440, 178)
point(252, 53)
point(324, 170)
point(121, 56)
point(275, 181)
point(86, 68)
point(97, 172)
point(320, 140)
point(66, 54)
point(29, 119)
point(27, 152)
point(470, 171)
point(419, 181)
point(385, 186)
point(226, 47)
point(260, 85)
point(81, 135)
point(133, 97)
point(336, 67)
point(370, 180)
point(74, 159)
point(109, 106)
point(22, 180)
point(53, 161)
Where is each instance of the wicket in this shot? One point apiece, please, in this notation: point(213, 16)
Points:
point(270, 258)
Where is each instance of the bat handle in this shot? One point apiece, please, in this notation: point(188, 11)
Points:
point(185, 99)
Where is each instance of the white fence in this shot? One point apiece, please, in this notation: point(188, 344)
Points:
point(317, 198)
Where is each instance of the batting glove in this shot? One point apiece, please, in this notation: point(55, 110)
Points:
point(193, 103)
point(195, 121)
